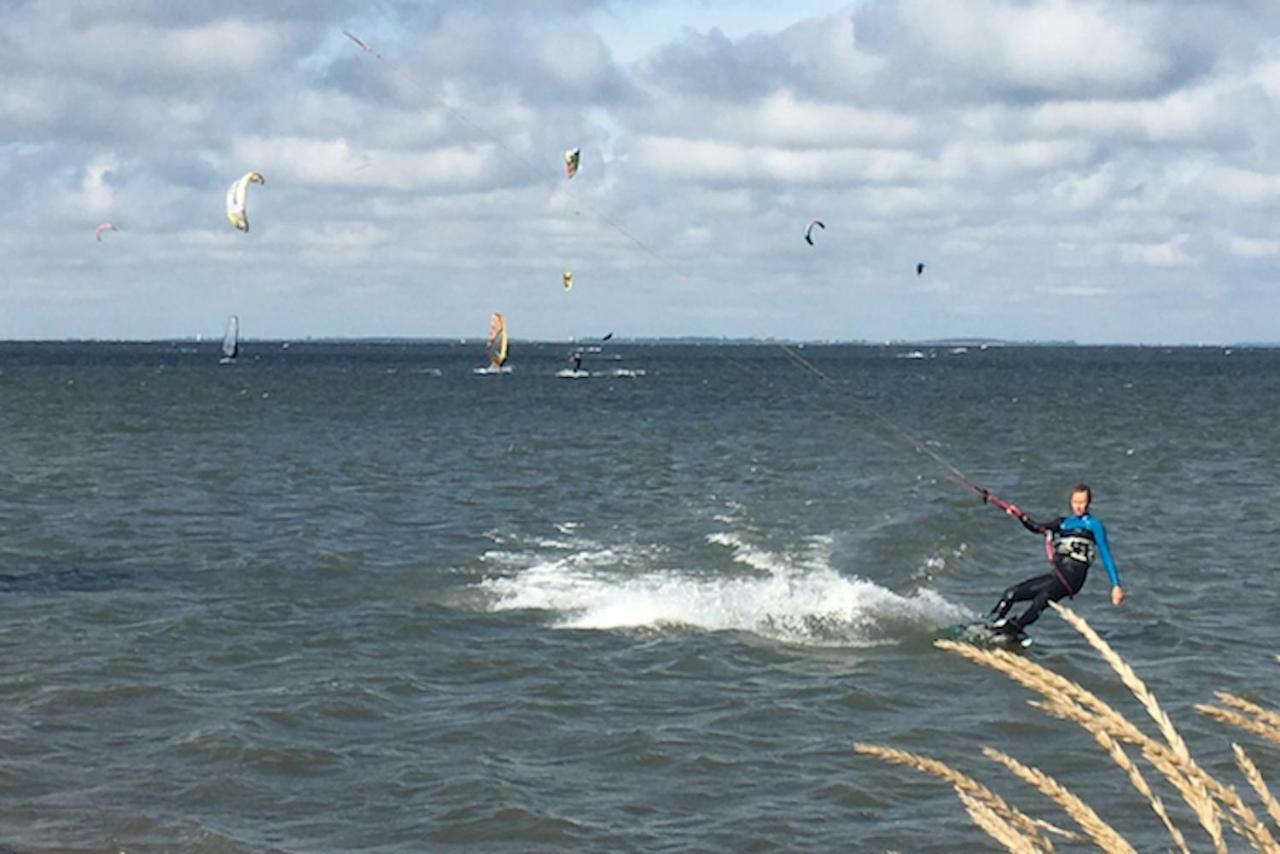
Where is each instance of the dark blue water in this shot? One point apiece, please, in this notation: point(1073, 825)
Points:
point(358, 597)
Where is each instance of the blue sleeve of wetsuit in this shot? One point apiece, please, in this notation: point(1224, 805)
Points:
point(1100, 537)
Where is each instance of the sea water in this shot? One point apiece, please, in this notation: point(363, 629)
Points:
point(358, 597)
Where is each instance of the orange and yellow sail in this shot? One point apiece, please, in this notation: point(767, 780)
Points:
point(496, 344)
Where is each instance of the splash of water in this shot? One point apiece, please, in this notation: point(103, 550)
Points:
point(792, 598)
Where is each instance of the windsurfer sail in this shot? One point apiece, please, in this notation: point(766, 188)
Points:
point(495, 346)
point(231, 341)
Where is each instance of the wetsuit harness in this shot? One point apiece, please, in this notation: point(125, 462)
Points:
point(1081, 539)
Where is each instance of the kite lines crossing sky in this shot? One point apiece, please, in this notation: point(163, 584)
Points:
point(572, 156)
point(572, 159)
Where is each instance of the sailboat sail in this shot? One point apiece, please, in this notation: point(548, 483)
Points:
point(496, 344)
point(231, 341)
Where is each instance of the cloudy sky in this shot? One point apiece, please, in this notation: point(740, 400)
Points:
point(1107, 171)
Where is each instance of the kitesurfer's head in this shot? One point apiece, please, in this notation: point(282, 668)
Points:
point(1081, 498)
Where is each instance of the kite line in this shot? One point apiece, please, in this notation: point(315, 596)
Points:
point(533, 168)
point(953, 473)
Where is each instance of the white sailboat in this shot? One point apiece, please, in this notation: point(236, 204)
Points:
point(231, 341)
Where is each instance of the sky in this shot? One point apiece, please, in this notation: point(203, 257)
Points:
point(1105, 171)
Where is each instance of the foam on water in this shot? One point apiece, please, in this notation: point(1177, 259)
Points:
point(816, 556)
point(795, 598)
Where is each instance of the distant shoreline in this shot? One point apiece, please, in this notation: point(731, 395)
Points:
point(658, 341)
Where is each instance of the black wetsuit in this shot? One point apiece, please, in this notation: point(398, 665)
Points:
point(1076, 542)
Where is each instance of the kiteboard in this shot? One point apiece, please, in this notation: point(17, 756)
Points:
point(979, 633)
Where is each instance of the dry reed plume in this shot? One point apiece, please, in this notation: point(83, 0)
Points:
point(1209, 799)
point(1254, 776)
point(1019, 825)
point(996, 827)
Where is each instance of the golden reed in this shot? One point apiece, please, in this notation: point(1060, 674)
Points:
point(1210, 800)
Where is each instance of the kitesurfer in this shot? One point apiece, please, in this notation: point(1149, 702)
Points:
point(576, 358)
point(1073, 542)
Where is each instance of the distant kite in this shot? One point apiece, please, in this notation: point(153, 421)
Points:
point(808, 232)
point(238, 199)
point(571, 158)
point(106, 226)
point(568, 279)
point(920, 268)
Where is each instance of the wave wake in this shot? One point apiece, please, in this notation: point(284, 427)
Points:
point(796, 599)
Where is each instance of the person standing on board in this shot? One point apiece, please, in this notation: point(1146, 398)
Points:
point(1073, 542)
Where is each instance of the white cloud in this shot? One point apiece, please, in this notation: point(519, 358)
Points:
point(1267, 75)
point(1055, 46)
point(1246, 187)
point(1170, 253)
point(1039, 141)
point(219, 49)
point(1197, 114)
point(25, 102)
point(1083, 290)
point(726, 161)
point(904, 202)
point(576, 58)
point(343, 236)
point(696, 234)
point(783, 119)
point(827, 47)
point(1083, 192)
point(337, 163)
point(1251, 247)
point(221, 239)
point(95, 192)
point(993, 158)
point(725, 201)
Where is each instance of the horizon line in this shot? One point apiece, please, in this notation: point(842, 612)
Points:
point(746, 340)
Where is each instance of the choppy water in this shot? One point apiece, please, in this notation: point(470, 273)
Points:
point(356, 597)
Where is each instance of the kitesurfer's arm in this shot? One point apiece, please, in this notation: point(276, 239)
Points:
point(1104, 551)
point(1030, 524)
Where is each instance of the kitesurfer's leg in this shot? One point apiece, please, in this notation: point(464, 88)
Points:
point(1033, 589)
point(1050, 593)
point(1019, 592)
point(1070, 572)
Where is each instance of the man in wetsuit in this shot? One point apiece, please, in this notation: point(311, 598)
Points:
point(1076, 541)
